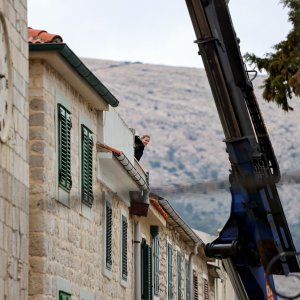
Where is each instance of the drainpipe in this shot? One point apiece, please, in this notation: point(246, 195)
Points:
point(146, 192)
point(194, 253)
point(137, 259)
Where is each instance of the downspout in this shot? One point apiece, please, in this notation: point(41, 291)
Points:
point(137, 258)
point(194, 253)
point(146, 192)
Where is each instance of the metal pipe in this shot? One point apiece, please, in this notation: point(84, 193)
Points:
point(222, 250)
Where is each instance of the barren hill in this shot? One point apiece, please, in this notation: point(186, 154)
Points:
point(186, 157)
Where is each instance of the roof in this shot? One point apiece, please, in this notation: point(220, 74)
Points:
point(204, 236)
point(40, 41)
point(159, 208)
point(178, 223)
point(41, 36)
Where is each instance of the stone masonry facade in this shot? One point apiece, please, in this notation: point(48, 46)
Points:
point(50, 241)
point(66, 241)
point(169, 235)
point(66, 250)
point(14, 181)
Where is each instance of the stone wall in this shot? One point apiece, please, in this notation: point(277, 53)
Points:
point(13, 151)
point(66, 240)
point(186, 247)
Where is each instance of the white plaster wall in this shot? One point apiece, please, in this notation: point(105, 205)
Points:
point(116, 133)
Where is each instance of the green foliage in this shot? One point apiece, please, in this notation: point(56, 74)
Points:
point(282, 66)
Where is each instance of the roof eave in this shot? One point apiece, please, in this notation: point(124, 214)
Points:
point(179, 221)
point(55, 54)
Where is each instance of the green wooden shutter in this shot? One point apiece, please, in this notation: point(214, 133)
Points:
point(64, 296)
point(170, 275)
point(64, 148)
point(108, 254)
point(87, 166)
point(205, 289)
point(156, 265)
point(179, 274)
point(124, 248)
point(195, 282)
point(187, 280)
point(147, 272)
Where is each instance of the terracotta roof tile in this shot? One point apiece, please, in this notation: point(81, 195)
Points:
point(159, 208)
point(42, 36)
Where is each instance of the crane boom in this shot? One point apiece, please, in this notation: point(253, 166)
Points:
point(256, 230)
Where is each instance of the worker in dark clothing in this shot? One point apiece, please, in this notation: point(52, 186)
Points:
point(140, 144)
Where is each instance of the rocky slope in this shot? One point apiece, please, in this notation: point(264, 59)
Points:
point(186, 157)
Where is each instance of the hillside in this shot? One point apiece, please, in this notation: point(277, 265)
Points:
point(186, 157)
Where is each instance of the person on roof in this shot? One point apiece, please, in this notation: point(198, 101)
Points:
point(140, 144)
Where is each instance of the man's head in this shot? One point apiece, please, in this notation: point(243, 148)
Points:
point(145, 139)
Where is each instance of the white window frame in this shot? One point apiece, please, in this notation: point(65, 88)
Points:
point(62, 285)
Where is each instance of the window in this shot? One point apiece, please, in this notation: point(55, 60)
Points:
point(156, 264)
point(187, 280)
point(170, 289)
point(147, 271)
point(179, 274)
point(124, 248)
point(108, 238)
point(195, 282)
point(86, 166)
point(64, 296)
point(205, 289)
point(64, 148)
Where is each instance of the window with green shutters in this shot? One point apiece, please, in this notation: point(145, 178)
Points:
point(179, 275)
point(170, 275)
point(108, 241)
point(86, 166)
point(205, 289)
point(187, 280)
point(195, 285)
point(64, 148)
point(156, 264)
point(64, 296)
point(124, 248)
point(147, 271)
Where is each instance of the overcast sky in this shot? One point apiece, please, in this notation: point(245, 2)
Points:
point(151, 31)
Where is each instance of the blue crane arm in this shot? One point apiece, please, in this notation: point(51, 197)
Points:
point(256, 230)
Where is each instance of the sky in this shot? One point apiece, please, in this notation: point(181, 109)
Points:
point(152, 31)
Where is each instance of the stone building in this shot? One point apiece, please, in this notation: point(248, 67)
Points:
point(182, 270)
point(76, 220)
point(94, 232)
point(14, 182)
point(69, 111)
